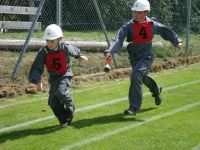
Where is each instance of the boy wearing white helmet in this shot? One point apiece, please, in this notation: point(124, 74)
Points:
point(139, 33)
point(56, 57)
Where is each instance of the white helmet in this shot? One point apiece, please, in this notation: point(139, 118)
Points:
point(141, 5)
point(52, 32)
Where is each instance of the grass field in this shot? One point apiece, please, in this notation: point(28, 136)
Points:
point(27, 123)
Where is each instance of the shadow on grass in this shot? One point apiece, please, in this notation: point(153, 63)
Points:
point(14, 135)
point(107, 119)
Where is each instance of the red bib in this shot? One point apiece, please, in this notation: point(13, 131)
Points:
point(142, 33)
point(56, 62)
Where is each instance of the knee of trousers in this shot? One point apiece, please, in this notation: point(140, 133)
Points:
point(136, 75)
point(56, 104)
point(57, 110)
point(63, 94)
point(66, 100)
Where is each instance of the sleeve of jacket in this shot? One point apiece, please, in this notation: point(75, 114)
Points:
point(117, 42)
point(37, 68)
point(74, 51)
point(166, 33)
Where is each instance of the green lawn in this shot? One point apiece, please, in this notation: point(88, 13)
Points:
point(70, 36)
point(27, 122)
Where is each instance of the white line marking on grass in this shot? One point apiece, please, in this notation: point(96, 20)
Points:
point(46, 98)
point(120, 130)
point(24, 124)
point(196, 147)
point(74, 91)
point(109, 102)
point(52, 116)
point(22, 102)
point(181, 85)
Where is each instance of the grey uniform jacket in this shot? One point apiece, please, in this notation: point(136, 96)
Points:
point(142, 49)
point(37, 67)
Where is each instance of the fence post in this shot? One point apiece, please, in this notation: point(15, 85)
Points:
point(103, 28)
point(23, 50)
point(59, 12)
point(188, 25)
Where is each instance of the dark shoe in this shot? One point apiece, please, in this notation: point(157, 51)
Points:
point(67, 122)
point(68, 119)
point(130, 111)
point(69, 114)
point(158, 99)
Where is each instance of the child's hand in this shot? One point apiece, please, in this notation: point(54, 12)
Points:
point(108, 54)
point(83, 58)
point(179, 46)
point(39, 86)
point(107, 68)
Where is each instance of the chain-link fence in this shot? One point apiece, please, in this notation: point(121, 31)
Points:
point(81, 22)
point(76, 15)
